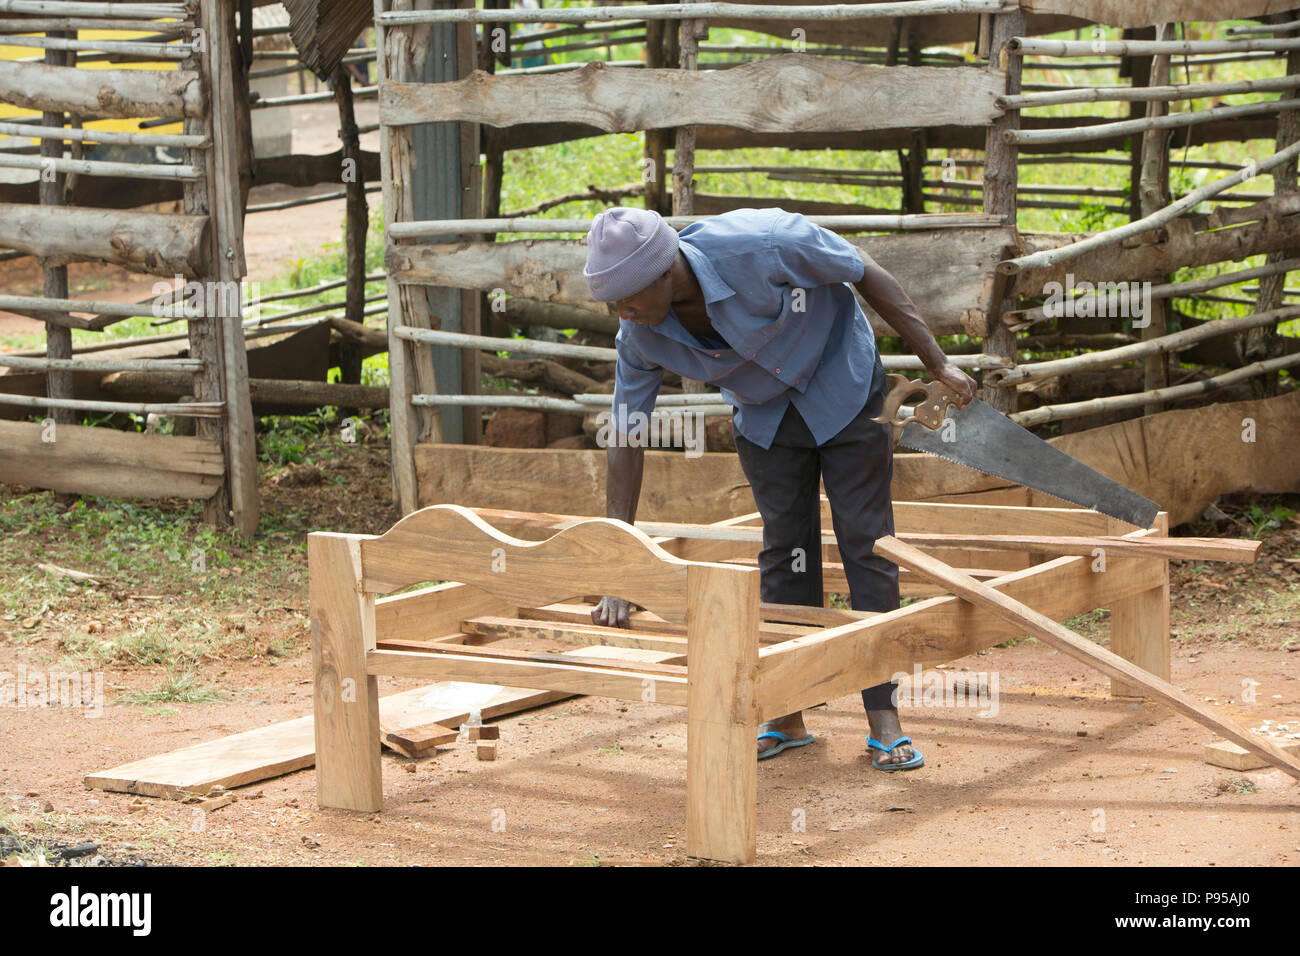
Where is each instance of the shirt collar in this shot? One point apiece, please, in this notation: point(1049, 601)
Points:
point(711, 283)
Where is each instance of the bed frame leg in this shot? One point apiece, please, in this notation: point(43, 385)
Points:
point(345, 697)
point(721, 713)
point(1139, 626)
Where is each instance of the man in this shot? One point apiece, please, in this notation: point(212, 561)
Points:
point(757, 302)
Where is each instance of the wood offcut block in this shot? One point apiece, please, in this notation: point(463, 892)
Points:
point(487, 750)
point(1226, 754)
point(416, 741)
point(485, 732)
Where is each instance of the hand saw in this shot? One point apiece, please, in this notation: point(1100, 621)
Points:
point(981, 438)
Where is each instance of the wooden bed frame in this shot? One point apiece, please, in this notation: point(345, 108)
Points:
point(705, 640)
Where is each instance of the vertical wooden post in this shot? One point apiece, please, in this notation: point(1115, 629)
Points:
point(205, 332)
point(1153, 195)
point(692, 31)
point(1258, 344)
point(226, 210)
point(1001, 177)
point(1138, 69)
point(58, 338)
point(1139, 624)
point(358, 214)
point(471, 207)
point(655, 150)
point(345, 699)
point(494, 156)
point(721, 713)
point(914, 189)
point(410, 367)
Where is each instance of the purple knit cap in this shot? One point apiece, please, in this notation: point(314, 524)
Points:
point(627, 249)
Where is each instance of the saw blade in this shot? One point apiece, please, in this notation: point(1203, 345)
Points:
point(984, 439)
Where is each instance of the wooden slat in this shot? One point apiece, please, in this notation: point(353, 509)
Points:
point(433, 611)
point(101, 461)
point(575, 679)
point(790, 93)
point(1062, 638)
point(495, 628)
point(808, 670)
point(172, 94)
point(598, 556)
point(670, 668)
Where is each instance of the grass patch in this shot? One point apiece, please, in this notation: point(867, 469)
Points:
point(179, 686)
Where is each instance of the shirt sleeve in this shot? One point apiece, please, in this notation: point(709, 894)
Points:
point(636, 387)
point(805, 255)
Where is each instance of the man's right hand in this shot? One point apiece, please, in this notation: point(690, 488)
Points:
point(611, 612)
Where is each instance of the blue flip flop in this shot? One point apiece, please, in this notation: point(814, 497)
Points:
point(786, 743)
point(918, 759)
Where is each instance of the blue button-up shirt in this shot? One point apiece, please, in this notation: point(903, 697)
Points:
point(774, 289)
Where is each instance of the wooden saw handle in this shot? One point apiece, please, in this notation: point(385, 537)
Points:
point(930, 411)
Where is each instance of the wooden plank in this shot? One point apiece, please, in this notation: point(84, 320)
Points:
point(415, 741)
point(707, 488)
point(597, 556)
point(722, 714)
point(789, 93)
point(808, 670)
point(496, 628)
point(572, 678)
point(164, 244)
point(1137, 13)
point(239, 759)
point(434, 611)
point(1080, 648)
point(345, 697)
point(948, 274)
point(576, 656)
point(1224, 753)
point(171, 94)
point(76, 459)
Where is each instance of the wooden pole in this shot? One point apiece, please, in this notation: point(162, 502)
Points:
point(1001, 177)
point(1262, 343)
point(218, 18)
point(692, 31)
point(1053, 413)
point(1153, 195)
point(655, 149)
point(1110, 237)
point(58, 336)
point(358, 215)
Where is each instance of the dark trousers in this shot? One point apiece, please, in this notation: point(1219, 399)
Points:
point(856, 467)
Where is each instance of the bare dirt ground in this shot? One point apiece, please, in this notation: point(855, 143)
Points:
point(1061, 774)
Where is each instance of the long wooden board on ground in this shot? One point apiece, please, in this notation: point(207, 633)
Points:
point(1080, 648)
point(948, 273)
point(265, 752)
